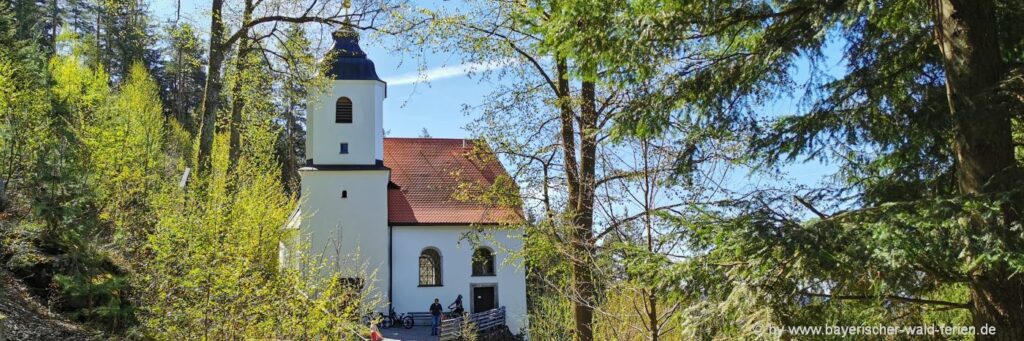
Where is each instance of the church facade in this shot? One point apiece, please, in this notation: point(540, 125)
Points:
point(393, 214)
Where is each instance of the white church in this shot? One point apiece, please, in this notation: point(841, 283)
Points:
point(387, 208)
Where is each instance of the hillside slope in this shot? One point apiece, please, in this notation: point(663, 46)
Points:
point(26, 319)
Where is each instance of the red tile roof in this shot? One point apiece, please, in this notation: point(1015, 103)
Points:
point(433, 176)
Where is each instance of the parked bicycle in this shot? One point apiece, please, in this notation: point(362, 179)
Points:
point(404, 319)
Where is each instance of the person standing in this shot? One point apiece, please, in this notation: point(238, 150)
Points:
point(435, 314)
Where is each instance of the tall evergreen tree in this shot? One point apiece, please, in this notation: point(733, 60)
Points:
point(299, 72)
point(183, 75)
point(125, 37)
point(920, 124)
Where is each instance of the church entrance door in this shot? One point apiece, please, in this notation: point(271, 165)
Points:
point(484, 298)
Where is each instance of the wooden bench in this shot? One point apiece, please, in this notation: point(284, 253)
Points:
point(419, 318)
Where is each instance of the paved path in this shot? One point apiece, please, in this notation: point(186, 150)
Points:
point(417, 333)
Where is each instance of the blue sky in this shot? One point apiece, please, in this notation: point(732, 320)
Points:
point(411, 106)
point(436, 105)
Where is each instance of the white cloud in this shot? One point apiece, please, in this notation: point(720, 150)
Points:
point(444, 72)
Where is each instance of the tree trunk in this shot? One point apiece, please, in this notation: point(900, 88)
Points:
point(180, 113)
point(582, 278)
point(238, 102)
point(648, 188)
point(983, 147)
point(584, 209)
point(998, 301)
point(211, 92)
point(54, 25)
point(290, 171)
point(583, 215)
point(99, 48)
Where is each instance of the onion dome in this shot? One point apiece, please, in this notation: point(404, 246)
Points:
point(347, 60)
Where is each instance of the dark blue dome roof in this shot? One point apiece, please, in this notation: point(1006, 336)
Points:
point(348, 61)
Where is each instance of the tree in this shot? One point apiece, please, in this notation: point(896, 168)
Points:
point(126, 37)
point(229, 283)
point(29, 28)
point(113, 34)
point(919, 123)
point(124, 143)
point(983, 146)
point(577, 117)
point(552, 119)
point(66, 196)
point(24, 105)
point(222, 41)
point(243, 62)
point(299, 75)
point(99, 224)
point(182, 84)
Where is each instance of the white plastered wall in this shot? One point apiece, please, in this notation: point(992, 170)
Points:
point(456, 268)
point(365, 135)
point(336, 229)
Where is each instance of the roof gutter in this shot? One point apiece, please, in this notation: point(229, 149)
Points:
point(456, 223)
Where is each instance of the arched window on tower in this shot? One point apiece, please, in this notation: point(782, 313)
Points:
point(483, 262)
point(430, 268)
point(343, 110)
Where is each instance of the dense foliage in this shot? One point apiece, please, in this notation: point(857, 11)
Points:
point(103, 218)
point(921, 224)
point(147, 169)
point(911, 102)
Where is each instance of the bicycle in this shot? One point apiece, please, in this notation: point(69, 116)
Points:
point(452, 313)
point(403, 318)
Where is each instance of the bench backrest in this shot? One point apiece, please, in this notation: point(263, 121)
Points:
point(421, 318)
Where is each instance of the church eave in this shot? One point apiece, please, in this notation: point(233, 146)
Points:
point(379, 165)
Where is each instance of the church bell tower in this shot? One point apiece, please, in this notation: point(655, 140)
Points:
point(345, 125)
point(343, 209)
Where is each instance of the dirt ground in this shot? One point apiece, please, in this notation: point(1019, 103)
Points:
point(25, 319)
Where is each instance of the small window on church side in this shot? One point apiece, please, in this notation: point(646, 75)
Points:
point(343, 148)
point(343, 110)
point(483, 262)
point(430, 268)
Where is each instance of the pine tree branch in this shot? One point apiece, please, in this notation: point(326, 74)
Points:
point(888, 297)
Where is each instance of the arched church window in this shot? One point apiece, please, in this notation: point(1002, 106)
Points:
point(343, 110)
point(430, 267)
point(483, 262)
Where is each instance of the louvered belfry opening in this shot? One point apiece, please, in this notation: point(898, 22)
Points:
point(343, 110)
